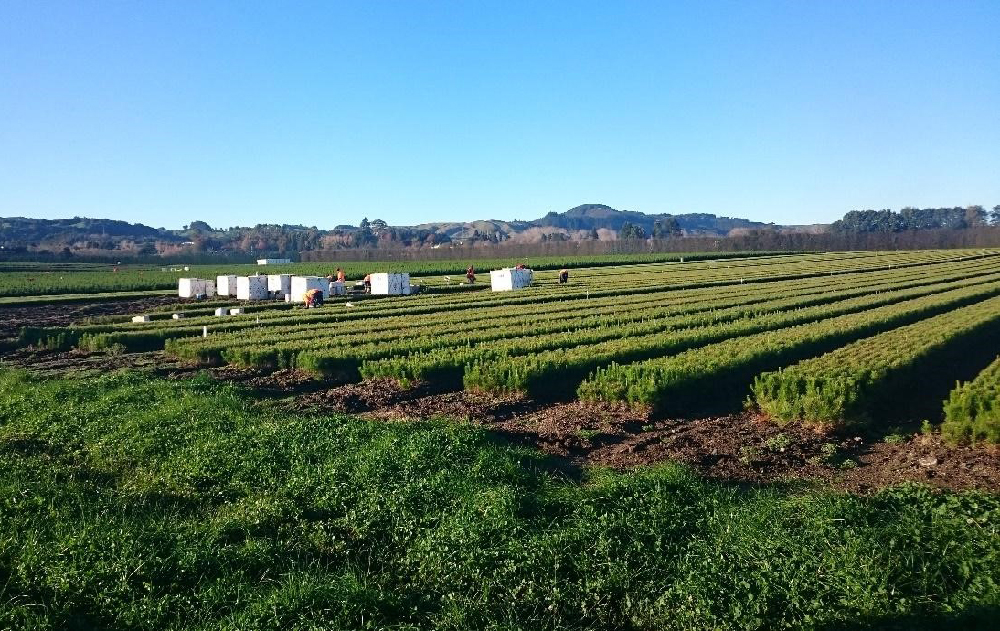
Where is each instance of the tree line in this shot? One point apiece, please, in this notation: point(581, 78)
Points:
point(909, 218)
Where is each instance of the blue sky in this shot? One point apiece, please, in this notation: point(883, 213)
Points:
point(242, 113)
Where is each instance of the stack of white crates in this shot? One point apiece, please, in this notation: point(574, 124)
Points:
point(510, 278)
point(280, 284)
point(191, 287)
point(210, 288)
point(226, 285)
point(302, 284)
point(337, 288)
point(251, 288)
point(391, 284)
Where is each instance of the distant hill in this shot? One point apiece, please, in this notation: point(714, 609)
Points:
point(22, 236)
point(93, 236)
point(587, 217)
point(591, 216)
point(35, 230)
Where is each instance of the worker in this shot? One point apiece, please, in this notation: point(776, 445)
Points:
point(520, 266)
point(314, 298)
point(563, 276)
point(368, 283)
point(470, 274)
point(341, 276)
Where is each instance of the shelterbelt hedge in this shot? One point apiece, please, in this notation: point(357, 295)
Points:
point(130, 502)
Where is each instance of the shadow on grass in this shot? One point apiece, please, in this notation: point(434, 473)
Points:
point(972, 619)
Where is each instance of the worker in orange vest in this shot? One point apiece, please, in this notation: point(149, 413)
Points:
point(314, 298)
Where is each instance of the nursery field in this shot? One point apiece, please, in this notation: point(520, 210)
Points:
point(757, 442)
point(830, 339)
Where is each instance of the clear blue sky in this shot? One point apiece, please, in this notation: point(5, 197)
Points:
point(320, 114)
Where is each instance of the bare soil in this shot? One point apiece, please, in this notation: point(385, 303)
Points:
point(744, 448)
point(13, 318)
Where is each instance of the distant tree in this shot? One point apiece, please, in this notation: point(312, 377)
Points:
point(631, 231)
point(363, 236)
point(378, 226)
point(975, 217)
point(995, 215)
point(672, 228)
point(596, 237)
point(199, 225)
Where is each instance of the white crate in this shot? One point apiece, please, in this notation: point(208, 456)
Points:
point(210, 288)
point(509, 278)
point(336, 288)
point(391, 284)
point(302, 284)
point(226, 285)
point(251, 288)
point(190, 287)
point(221, 311)
point(140, 318)
point(235, 311)
point(178, 316)
point(280, 284)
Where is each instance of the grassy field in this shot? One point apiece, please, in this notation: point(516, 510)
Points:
point(136, 503)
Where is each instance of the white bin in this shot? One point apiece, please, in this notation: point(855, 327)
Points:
point(302, 284)
point(391, 284)
point(510, 278)
point(190, 287)
point(251, 288)
point(226, 285)
point(280, 284)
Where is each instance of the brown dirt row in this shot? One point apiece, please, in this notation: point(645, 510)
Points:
point(13, 318)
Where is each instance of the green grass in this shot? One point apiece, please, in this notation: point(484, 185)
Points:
point(128, 502)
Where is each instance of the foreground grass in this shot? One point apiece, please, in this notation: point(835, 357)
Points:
point(133, 503)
